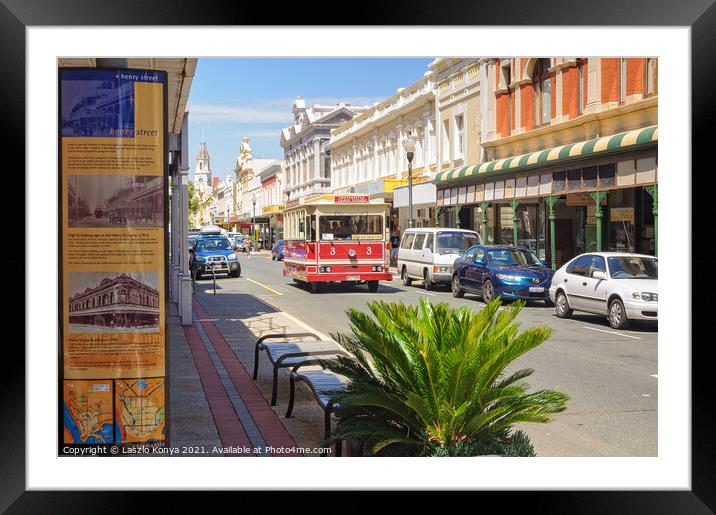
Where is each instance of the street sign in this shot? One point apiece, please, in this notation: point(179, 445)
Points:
point(113, 236)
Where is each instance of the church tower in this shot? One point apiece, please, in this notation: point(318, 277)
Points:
point(202, 173)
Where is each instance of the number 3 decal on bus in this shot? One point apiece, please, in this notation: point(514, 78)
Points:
point(369, 251)
point(333, 250)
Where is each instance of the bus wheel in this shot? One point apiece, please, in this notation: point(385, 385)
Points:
point(372, 286)
point(313, 287)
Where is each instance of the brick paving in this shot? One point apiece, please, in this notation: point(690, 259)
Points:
point(272, 431)
point(227, 422)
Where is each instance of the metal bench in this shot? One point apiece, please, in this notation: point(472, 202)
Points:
point(291, 354)
point(321, 382)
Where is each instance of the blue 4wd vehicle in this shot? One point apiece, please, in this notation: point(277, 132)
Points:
point(215, 252)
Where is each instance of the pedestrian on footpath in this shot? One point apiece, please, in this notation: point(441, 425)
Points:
point(394, 244)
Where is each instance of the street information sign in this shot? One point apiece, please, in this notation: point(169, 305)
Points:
point(112, 271)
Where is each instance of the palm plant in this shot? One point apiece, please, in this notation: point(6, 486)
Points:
point(429, 379)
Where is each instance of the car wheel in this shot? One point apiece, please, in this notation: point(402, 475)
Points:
point(273, 257)
point(562, 306)
point(617, 315)
point(407, 281)
point(236, 273)
point(488, 291)
point(457, 292)
point(372, 286)
point(427, 283)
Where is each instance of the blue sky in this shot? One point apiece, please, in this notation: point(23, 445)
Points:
point(232, 98)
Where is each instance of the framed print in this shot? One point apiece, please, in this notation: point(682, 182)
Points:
point(246, 134)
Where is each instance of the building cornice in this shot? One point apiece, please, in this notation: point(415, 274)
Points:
point(353, 131)
point(579, 121)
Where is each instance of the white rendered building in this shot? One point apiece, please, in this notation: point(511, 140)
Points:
point(307, 167)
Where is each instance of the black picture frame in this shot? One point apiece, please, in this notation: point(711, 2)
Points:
point(699, 15)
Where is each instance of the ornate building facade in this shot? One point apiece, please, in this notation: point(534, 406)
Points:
point(307, 165)
point(570, 157)
point(367, 152)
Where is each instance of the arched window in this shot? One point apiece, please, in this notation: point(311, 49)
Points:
point(543, 92)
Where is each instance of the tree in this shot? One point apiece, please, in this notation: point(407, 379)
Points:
point(194, 201)
point(429, 380)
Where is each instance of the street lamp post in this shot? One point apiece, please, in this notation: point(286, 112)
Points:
point(409, 145)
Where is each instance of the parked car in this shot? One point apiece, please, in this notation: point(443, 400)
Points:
point(428, 254)
point(215, 252)
point(238, 241)
point(622, 286)
point(193, 235)
point(501, 270)
point(277, 251)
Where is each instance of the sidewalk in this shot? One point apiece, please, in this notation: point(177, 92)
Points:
point(214, 403)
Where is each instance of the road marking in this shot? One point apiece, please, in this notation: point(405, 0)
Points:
point(428, 293)
point(264, 286)
point(611, 332)
point(654, 375)
point(304, 325)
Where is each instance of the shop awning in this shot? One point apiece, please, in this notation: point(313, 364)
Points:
point(623, 141)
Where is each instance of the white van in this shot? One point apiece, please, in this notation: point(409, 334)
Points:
point(427, 254)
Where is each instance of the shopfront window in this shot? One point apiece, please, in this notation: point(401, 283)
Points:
point(647, 242)
point(477, 226)
point(622, 233)
point(505, 227)
point(589, 229)
point(530, 228)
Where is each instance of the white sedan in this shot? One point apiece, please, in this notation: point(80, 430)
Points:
point(622, 286)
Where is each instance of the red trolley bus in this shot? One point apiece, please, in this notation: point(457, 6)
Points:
point(336, 238)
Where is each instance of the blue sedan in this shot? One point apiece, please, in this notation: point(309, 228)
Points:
point(504, 270)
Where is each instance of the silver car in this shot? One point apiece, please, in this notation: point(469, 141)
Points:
point(619, 285)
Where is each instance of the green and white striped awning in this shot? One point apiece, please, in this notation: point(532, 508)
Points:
point(629, 140)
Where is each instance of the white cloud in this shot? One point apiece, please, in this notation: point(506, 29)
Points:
point(218, 113)
point(252, 134)
point(277, 110)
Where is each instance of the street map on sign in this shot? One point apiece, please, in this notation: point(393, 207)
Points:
point(140, 410)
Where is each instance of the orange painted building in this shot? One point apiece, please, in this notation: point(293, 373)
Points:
point(566, 140)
